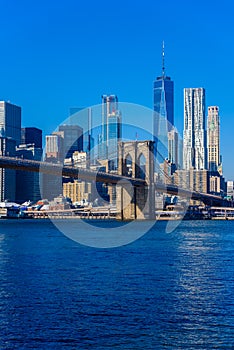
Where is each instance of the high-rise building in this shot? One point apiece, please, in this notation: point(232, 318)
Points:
point(31, 135)
point(173, 147)
point(54, 147)
point(111, 129)
point(72, 140)
point(27, 183)
point(213, 138)
point(10, 121)
point(83, 117)
point(7, 176)
point(109, 107)
point(114, 135)
point(163, 119)
point(195, 154)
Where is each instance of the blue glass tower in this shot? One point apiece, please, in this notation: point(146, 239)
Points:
point(110, 125)
point(163, 120)
point(114, 135)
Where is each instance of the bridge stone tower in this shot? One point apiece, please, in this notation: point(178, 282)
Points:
point(136, 160)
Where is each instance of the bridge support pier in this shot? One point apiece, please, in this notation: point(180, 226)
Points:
point(136, 160)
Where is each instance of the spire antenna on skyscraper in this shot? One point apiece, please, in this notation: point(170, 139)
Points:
point(163, 59)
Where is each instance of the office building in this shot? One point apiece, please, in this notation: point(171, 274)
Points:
point(173, 147)
point(83, 118)
point(193, 180)
point(7, 176)
point(163, 118)
point(213, 138)
point(78, 191)
point(51, 186)
point(10, 121)
point(111, 130)
point(195, 151)
point(27, 183)
point(54, 147)
point(230, 189)
point(72, 139)
point(114, 136)
point(31, 135)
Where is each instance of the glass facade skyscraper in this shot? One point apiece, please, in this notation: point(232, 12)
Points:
point(10, 121)
point(72, 139)
point(83, 118)
point(114, 135)
point(163, 120)
point(31, 135)
point(111, 128)
point(164, 99)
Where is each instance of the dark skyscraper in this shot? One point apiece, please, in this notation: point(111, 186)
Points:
point(73, 139)
point(31, 135)
point(163, 120)
point(10, 121)
point(109, 109)
point(83, 118)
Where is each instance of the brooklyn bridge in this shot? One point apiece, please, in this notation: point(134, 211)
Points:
point(135, 193)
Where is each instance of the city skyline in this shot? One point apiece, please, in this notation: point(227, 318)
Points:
point(59, 66)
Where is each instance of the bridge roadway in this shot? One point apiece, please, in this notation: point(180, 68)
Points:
point(98, 176)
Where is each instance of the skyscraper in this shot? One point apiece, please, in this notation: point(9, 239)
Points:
point(54, 147)
point(31, 135)
point(83, 118)
point(113, 136)
point(111, 128)
point(73, 139)
point(7, 176)
point(27, 183)
point(194, 155)
point(173, 147)
point(213, 138)
point(10, 121)
point(163, 119)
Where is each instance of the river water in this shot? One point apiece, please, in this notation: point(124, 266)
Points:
point(163, 291)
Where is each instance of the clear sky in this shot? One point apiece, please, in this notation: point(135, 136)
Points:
point(61, 54)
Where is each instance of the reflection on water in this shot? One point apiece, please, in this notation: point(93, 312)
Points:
point(166, 290)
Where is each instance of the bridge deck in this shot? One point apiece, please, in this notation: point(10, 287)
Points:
point(98, 176)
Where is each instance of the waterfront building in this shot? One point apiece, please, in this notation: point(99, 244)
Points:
point(195, 154)
point(51, 186)
point(72, 139)
point(10, 121)
point(230, 189)
point(7, 176)
point(27, 182)
point(31, 135)
point(163, 117)
point(78, 191)
point(213, 138)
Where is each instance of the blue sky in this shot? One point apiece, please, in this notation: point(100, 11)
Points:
point(60, 54)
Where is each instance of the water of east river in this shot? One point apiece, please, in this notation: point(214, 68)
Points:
point(163, 291)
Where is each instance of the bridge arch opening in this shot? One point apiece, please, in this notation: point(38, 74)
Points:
point(141, 166)
point(128, 165)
